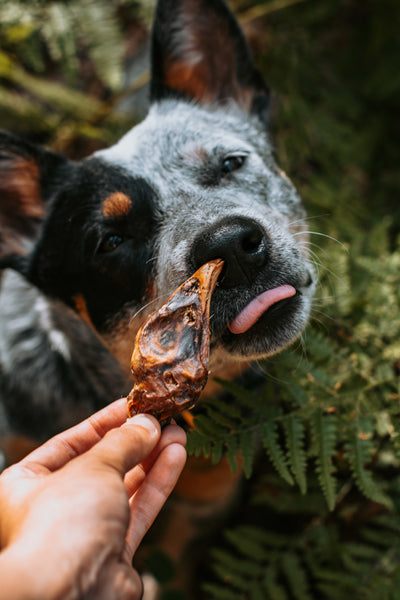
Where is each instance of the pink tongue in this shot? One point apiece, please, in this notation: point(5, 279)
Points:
point(257, 307)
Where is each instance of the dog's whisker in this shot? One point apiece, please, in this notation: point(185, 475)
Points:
point(320, 266)
point(146, 306)
point(306, 218)
point(324, 235)
point(322, 301)
point(313, 245)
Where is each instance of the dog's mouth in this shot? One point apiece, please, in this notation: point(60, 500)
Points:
point(252, 312)
point(263, 324)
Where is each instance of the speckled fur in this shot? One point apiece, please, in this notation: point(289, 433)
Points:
point(174, 166)
point(68, 311)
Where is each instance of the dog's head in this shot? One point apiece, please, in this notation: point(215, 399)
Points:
point(113, 235)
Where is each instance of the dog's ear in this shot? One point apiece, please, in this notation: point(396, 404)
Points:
point(27, 173)
point(199, 52)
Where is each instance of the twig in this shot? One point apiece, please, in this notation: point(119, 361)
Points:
point(265, 9)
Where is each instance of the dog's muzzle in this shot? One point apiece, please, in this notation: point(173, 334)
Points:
point(258, 301)
point(240, 242)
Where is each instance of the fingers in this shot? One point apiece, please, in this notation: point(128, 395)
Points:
point(170, 435)
point(75, 441)
point(154, 491)
point(123, 448)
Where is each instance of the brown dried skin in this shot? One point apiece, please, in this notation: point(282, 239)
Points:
point(170, 358)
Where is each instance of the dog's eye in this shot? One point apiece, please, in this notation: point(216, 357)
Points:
point(232, 163)
point(111, 242)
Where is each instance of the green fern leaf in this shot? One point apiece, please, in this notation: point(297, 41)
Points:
point(217, 451)
point(296, 576)
point(194, 444)
point(246, 398)
point(208, 428)
point(256, 591)
point(248, 444)
point(226, 419)
point(252, 540)
point(274, 589)
point(217, 591)
point(270, 440)
point(249, 541)
point(334, 591)
point(358, 453)
point(225, 407)
point(323, 429)
point(232, 451)
point(340, 579)
point(388, 521)
point(382, 538)
point(239, 572)
point(294, 433)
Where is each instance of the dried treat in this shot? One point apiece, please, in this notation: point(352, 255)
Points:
point(170, 358)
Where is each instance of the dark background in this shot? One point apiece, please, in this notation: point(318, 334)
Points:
point(73, 76)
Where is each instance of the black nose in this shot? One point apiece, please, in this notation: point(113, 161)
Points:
point(240, 242)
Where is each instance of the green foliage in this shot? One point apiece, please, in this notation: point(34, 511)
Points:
point(324, 432)
point(270, 438)
point(319, 443)
point(336, 397)
point(64, 27)
point(307, 558)
point(81, 43)
point(328, 420)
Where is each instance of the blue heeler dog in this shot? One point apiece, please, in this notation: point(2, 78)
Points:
point(89, 249)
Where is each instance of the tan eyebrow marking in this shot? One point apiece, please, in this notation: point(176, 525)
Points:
point(81, 308)
point(117, 205)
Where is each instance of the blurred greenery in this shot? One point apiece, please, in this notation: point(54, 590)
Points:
point(320, 517)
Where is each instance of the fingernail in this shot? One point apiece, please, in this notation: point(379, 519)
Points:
point(145, 421)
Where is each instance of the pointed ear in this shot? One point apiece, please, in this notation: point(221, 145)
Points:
point(199, 52)
point(26, 173)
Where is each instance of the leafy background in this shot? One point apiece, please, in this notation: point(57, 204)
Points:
point(319, 442)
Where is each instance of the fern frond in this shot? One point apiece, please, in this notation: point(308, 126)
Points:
point(277, 496)
point(382, 538)
point(336, 583)
point(232, 452)
point(246, 398)
point(276, 454)
point(359, 449)
point(248, 441)
point(294, 434)
point(217, 591)
point(98, 27)
point(227, 427)
point(296, 576)
point(238, 571)
point(249, 541)
point(208, 427)
point(256, 591)
point(274, 590)
point(324, 435)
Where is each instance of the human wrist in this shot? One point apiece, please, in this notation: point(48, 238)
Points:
point(26, 575)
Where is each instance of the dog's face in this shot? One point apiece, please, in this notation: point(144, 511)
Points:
point(114, 235)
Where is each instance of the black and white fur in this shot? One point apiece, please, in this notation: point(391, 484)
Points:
point(90, 248)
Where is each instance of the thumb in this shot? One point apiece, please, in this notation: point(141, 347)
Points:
point(123, 448)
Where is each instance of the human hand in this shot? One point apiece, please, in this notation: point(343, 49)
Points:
point(74, 511)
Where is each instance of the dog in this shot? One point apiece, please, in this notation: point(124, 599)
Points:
point(89, 249)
